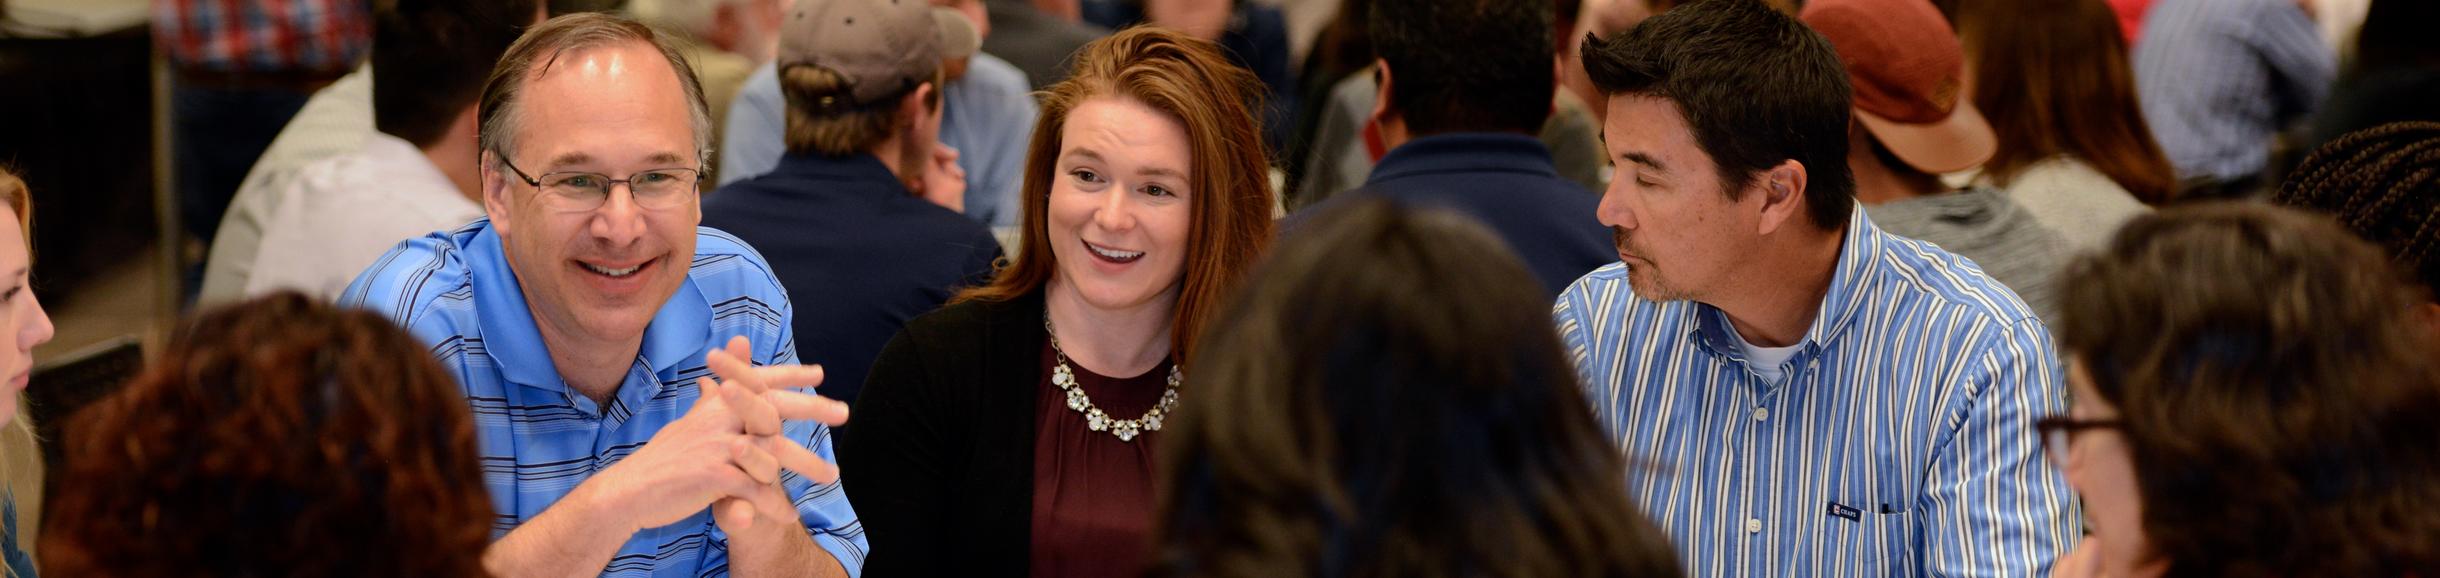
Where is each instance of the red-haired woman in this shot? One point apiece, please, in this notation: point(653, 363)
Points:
point(1012, 431)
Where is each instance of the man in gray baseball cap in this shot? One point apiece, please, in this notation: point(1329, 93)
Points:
point(860, 219)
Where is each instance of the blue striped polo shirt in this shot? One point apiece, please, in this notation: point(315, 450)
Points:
point(539, 438)
point(1898, 440)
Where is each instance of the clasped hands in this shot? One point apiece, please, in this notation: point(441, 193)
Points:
point(728, 450)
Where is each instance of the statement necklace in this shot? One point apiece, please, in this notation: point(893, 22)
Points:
point(1094, 419)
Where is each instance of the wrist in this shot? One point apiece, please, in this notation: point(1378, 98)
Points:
point(596, 503)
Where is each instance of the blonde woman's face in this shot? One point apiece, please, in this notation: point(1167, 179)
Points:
point(23, 325)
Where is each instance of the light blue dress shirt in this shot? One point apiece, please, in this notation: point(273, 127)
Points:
point(1898, 442)
point(987, 114)
point(539, 439)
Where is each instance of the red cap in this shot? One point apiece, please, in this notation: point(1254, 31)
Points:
point(1908, 71)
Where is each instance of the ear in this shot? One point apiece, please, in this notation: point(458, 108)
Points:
point(1783, 196)
point(911, 109)
point(495, 192)
point(1380, 111)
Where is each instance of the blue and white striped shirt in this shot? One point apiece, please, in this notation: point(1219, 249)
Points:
point(1898, 443)
point(539, 439)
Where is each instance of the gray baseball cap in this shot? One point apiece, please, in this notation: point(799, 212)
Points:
point(883, 47)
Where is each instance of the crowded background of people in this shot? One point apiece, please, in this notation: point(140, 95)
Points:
point(1120, 288)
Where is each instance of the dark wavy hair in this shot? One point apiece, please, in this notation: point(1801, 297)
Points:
point(276, 437)
point(2277, 394)
point(2384, 184)
point(1388, 398)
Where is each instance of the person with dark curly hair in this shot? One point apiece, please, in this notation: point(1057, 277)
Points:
point(276, 437)
point(2249, 402)
point(2384, 184)
point(1387, 397)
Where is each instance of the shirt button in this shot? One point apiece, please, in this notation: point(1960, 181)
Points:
point(1753, 526)
point(1762, 413)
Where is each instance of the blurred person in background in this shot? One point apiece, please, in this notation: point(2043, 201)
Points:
point(1253, 34)
point(2383, 184)
point(986, 120)
point(2220, 79)
point(1491, 463)
point(419, 172)
point(1913, 124)
point(2394, 75)
point(338, 120)
point(241, 69)
point(2253, 397)
point(1014, 430)
point(1041, 42)
point(2053, 79)
point(837, 219)
point(727, 40)
point(1464, 85)
point(280, 436)
point(23, 326)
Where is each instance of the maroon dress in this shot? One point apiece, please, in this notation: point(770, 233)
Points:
point(1093, 494)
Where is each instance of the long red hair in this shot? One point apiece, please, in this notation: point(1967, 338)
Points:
point(1193, 81)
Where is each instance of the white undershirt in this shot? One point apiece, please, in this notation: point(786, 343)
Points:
point(1766, 361)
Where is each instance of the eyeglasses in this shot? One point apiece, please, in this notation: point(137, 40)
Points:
point(2059, 434)
point(580, 191)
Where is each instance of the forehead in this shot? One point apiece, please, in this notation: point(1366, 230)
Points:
point(605, 102)
point(1654, 127)
point(1126, 131)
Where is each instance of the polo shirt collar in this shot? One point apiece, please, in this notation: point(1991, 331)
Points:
point(679, 331)
point(1468, 152)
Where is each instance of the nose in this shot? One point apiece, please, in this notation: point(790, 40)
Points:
point(1116, 212)
point(38, 330)
point(1613, 210)
point(619, 222)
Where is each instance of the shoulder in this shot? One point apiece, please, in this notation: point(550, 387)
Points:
point(1911, 274)
point(726, 268)
point(419, 277)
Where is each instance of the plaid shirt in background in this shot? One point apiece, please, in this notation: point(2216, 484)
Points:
point(263, 35)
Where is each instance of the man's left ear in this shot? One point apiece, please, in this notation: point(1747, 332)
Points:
point(1783, 195)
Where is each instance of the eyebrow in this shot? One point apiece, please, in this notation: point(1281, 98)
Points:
point(1645, 160)
point(1146, 171)
point(580, 158)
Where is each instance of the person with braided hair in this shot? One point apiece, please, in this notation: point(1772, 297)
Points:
point(2383, 183)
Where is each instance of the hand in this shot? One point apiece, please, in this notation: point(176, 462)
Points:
point(703, 457)
point(763, 399)
point(944, 182)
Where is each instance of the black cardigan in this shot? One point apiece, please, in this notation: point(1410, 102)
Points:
point(939, 462)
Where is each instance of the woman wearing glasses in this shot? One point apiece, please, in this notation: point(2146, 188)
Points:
point(2252, 397)
point(1012, 431)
